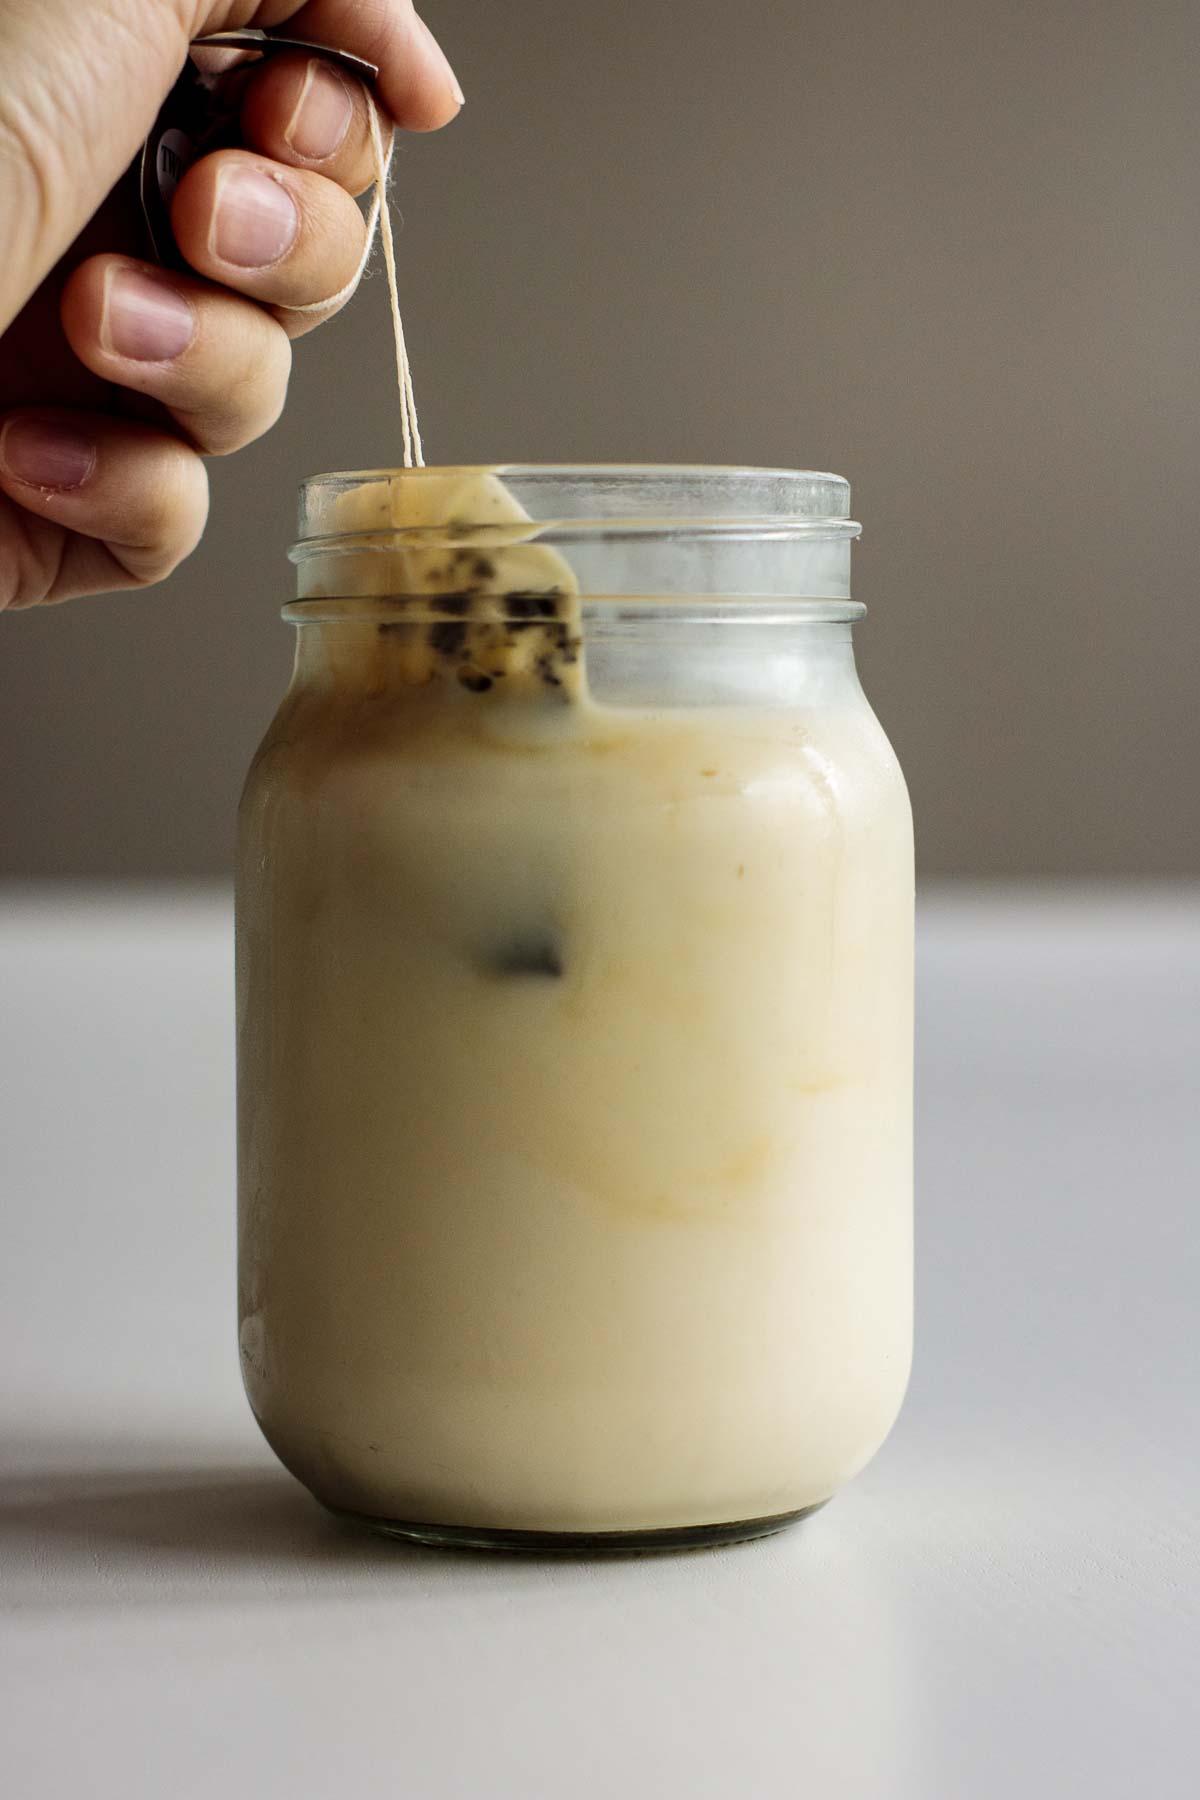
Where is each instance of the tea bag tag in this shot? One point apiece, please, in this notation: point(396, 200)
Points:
point(201, 114)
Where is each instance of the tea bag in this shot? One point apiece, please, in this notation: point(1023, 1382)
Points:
point(490, 607)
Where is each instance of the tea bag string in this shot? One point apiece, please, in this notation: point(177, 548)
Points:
point(408, 401)
point(380, 214)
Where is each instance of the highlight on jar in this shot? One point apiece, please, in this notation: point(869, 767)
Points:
point(575, 920)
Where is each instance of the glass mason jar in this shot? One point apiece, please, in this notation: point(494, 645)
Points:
point(575, 1011)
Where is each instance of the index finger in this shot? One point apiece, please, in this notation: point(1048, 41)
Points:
point(416, 83)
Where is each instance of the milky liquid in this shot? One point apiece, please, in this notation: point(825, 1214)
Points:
point(575, 1048)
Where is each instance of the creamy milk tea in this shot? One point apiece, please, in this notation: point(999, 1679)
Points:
point(575, 1011)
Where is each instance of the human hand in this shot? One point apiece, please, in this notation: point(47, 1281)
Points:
point(116, 376)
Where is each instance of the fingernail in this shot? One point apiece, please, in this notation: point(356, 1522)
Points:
point(256, 218)
point(442, 61)
point(144, 318)
point(323, 113)
point(46, 453)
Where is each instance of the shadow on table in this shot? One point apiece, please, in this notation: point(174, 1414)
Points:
point(127, 1534)
point(91, 1531)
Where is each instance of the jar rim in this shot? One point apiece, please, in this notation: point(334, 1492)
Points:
point(569, 501)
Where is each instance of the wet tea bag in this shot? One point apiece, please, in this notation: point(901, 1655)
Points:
point(490, 606)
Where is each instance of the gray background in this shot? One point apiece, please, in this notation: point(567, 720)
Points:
point(950, 249)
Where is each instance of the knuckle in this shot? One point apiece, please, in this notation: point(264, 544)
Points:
point(146, 568)
point(248, 401)
point(329, 218)
point(32, 557)
point(381, 27)
point(33, 167)
point(171, 530)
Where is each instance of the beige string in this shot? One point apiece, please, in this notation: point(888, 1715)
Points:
point(380, 213)
point(408, 402)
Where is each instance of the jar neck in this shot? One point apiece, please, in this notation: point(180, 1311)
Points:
point(645, 531)
point(711, 653)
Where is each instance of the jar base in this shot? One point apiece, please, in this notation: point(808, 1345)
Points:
point(578, 1543)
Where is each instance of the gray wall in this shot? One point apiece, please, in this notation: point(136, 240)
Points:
point(950, 249)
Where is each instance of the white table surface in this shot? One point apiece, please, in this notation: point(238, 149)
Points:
point(1004, 1604)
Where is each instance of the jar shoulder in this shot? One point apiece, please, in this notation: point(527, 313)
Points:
point(321, 741)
